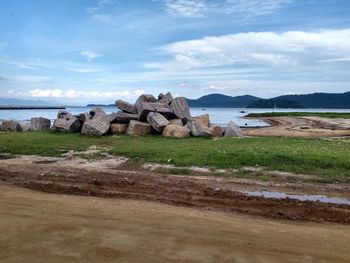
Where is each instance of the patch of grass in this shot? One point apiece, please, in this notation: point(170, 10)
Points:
point(301, 114)
point(329, 159)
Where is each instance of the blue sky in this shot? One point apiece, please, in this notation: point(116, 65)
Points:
point(100, 50)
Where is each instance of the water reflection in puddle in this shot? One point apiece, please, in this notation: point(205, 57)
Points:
point(314, 198)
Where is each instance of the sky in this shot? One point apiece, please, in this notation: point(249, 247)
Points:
point(85, 51)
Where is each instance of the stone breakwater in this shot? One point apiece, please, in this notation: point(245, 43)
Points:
point(165, 115)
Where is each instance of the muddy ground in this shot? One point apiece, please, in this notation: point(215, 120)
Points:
point(49, 228)
point(117, 177)
point(314, 127)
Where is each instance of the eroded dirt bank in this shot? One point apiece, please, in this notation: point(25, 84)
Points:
point(116, 177)
point(40, 227)
point(301, 127)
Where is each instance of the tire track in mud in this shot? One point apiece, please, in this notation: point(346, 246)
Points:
point(164, 188)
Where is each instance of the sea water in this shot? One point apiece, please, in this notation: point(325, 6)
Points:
point(220, 116)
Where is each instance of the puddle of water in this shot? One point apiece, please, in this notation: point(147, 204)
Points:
point(314, 198)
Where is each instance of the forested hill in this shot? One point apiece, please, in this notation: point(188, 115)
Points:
point(321, 100)
point(315, 100)
point(222, 101)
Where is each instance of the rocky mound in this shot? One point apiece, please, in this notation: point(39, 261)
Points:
point(164, 115)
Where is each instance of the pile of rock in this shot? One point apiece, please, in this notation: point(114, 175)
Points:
point(164, 115)
point(36, 124)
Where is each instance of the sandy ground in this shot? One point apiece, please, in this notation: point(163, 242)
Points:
point(116, 177)
point(40, 227)
point(301, 127)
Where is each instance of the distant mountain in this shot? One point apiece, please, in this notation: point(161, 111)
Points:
point(222, 101)
point(321, 100)
point(276, 103)
point(315, 100)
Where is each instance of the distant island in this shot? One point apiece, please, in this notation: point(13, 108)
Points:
point(315, 100)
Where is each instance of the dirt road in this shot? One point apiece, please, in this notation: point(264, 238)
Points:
point(301, 127)
point(117, 178)
point(40, 227)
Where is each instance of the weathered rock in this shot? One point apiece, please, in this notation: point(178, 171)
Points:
point(25, 126)
point(157, 120)
point(66, 122)
point(146, 107)
point(83, 117)
point(176, 122)
point(232, 130)
point(40, 124)
point(138, 128)
point(216, 131)
point(143, 98)
point(97, 112)
point(165, 98)
point(181, 109)
point(119, 128)
point(203, 118)
point(10, 126)
point(98, 125)
point(122, 117)
point(126, 106)
point(198, 128)
point(176, 131)
point(112, 118)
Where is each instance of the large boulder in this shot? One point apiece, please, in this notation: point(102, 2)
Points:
point(203, 118)
point(10, 126)
point(119, 128)
point(176, 131)
point(143, 98)
point(97, 112)
point(126, 106)
point(98, 125)
point(83, 117)
point(145, 108)
point(176, 122)
point(198, 128)
point(232, 130)
point(138, 128)
point(157, 120)
point(123, 117)
point(66, 122)
point(181, 109)
point(25, 126)
point(165, 98)
point(40, 124)
point(216, 131)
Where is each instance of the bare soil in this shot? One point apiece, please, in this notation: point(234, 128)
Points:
point(49, 228)
point(116, 177)
point(314, 127)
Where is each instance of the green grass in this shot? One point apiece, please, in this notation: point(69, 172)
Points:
point(329, 159)
point(301, 114)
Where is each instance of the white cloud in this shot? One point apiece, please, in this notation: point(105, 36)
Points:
point(90, 55)
point(278, 50)
point(72, 93)
point(252, 7)
point(28, 79)
point(186, 8)
point(100, 5)
point(246, 8)
point(84, 70)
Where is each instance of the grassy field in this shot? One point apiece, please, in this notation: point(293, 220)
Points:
point(329, 159)
point(301, 114)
